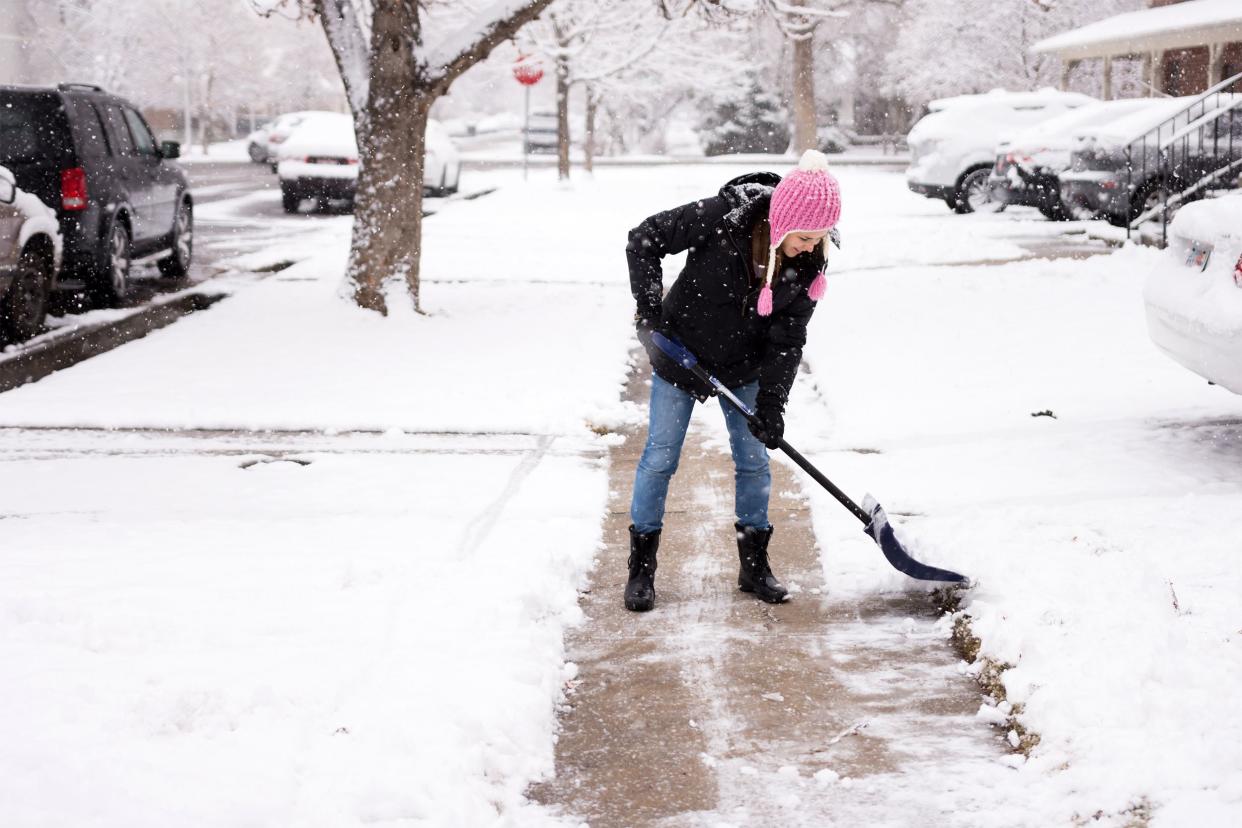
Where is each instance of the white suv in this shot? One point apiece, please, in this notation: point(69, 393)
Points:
point(953, 148)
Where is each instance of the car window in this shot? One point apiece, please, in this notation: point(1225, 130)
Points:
point(118, 131)
point(144, 142)
point(32, 128)
point(88, 130)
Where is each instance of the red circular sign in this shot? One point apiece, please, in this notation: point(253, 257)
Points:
point(527, 70)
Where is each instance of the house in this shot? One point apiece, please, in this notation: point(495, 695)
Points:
point(1187, 46)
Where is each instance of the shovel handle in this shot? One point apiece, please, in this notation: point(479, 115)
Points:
point(679, 353)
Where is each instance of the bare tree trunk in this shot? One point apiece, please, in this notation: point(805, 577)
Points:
point(387, 237)
point(592, 103)
point(805, 137)
point(562, 119)
point(391, 81)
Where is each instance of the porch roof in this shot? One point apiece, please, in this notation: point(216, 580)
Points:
point(1181, 25)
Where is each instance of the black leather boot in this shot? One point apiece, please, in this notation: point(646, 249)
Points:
point(640, 589)
point(756, 575)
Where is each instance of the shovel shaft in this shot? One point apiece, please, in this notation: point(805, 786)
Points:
point(793, 453)
point(841, 496)
point(875, 521)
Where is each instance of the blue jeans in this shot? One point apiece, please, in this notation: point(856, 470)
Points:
point(666, 431)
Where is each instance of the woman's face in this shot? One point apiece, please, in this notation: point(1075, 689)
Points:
point(799, 242)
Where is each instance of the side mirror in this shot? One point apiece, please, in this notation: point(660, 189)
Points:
point(170, 149)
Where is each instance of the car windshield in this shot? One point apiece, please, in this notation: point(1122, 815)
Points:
point(32, 127)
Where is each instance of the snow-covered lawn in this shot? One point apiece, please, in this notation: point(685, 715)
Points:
point(375, 636)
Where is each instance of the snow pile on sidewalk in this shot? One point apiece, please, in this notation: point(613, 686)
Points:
point(1019, 424)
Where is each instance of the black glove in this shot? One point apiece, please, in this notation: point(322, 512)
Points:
point(770, 427)
point(645, 327)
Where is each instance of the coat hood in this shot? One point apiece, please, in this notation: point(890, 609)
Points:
point(746, 195)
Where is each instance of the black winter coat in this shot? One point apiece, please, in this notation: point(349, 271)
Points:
point(711, 307)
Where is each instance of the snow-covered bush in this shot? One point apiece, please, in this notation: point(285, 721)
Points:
point(747, 118)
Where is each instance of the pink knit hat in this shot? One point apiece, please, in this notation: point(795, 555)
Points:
point(808, 200)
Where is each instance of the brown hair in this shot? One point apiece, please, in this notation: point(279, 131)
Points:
point(760, 247)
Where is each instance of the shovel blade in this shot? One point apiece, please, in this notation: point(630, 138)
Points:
point(881, 531)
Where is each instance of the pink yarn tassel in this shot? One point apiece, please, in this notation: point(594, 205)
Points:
point(765, 301)
point(817, 288)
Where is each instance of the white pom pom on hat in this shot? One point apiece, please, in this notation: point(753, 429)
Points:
point(813, 160)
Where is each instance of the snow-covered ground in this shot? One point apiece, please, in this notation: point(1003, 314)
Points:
point(236, 150)
point(334, 594)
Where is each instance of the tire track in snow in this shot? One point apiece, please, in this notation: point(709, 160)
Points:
point(479, 528)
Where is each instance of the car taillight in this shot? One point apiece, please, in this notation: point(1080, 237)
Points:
point(351, 160)
point(73, 189)
point(1237, 273)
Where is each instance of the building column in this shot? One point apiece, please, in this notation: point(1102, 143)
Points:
point(1067, 66)
point(1108, 79)
point(1156, 78)
point(1216, 63)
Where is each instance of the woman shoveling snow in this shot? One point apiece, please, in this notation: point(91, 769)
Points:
point(755, 269)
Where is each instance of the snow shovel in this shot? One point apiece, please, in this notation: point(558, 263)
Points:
point(870, 513)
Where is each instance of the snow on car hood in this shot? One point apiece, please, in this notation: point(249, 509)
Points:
point(1123, 130)
point(1058, 132)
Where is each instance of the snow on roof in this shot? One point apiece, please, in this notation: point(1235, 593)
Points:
point(1181, 25)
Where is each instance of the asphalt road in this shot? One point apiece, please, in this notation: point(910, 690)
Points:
point(209, 181)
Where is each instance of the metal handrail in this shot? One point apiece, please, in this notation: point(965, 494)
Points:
point(1177, 145)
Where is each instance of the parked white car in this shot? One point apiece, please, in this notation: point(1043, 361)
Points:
point(30, 256)
point(319, 161)
point(1194, 296)
point(953, 148)
point(265, 141)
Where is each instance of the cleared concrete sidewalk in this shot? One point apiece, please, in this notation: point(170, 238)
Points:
point(716, 708)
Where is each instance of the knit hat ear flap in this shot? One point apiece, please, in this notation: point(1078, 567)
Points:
point(765, 293)
point(820, 284)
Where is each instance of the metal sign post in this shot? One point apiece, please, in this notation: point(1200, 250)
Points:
point(528, 71)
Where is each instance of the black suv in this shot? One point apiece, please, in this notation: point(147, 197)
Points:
point(93, 159)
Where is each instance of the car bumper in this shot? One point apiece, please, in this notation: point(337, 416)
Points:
point(1215, 356)
point(1096, 193)
point(81, 234)
point(929, 190)
point(1194, 309)
point(1024, 188)
point(315, 187)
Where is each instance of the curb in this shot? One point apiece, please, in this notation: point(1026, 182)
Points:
point(59, 352)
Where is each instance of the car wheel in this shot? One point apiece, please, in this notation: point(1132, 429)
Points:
point(1054, 210)
point(111, 283)
point(456, 181)
point(974, 194)
point(24, 305)
point(177, 265)
point(257, 154)
point(289, 198)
